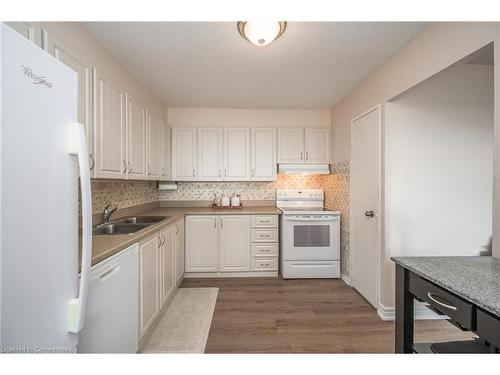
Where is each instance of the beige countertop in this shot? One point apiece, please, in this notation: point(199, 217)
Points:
point(104, 246)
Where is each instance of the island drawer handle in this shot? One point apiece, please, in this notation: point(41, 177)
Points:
point(451, 307)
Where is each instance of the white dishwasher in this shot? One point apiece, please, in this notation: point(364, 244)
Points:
point(111, 325)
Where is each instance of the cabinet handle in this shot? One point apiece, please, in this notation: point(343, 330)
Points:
point(159, 241)
point(307, 155)
point(301, 155)
point(162, 171)
point(125, 165)
point(129, 167)
point(149, 170)
point(194, 174)
point(225, 173)
point(264, 221)
point(264, 250)
point(265, 235)
point(220, 174)
point(215, 222)
point(221, 222)
point(93, 162)
point(451, 307)
point(253, 173)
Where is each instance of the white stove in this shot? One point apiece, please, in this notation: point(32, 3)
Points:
point(310, 235)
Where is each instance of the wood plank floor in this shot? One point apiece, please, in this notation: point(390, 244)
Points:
point(303, 316)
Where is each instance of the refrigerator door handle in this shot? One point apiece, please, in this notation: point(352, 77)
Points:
point(77, 307)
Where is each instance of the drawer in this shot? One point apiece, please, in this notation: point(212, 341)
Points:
point(264, 264)
point(440, 299)
point(265, 221)
point(264, 235)
point(488, 327)
point(264, 249)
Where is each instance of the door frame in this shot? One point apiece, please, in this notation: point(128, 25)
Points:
point(381, 210)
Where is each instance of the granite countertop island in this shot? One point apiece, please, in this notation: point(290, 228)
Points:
point(104, 246)
point(475, 279)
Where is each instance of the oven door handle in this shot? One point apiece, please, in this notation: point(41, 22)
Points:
point(305, 219)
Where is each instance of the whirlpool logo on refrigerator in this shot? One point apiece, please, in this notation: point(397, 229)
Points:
point(36, 79)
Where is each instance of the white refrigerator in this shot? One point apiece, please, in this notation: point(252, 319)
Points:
point(43, 157)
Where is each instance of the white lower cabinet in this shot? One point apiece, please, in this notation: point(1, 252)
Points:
point(179, 247)
point(159, 258)
point(234, 243)
point(167, 258)
point(222, 245)
point(149, 282)
point(201, 243)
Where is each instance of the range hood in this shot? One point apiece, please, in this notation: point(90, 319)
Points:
point(304, 169)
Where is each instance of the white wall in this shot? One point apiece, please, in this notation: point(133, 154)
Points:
point(439, 169)
point(255, 118)
point(432, 50)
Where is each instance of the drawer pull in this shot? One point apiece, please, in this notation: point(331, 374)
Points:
point(451, 307)
point(264, 250)
point(265, 235)
point(264, 221)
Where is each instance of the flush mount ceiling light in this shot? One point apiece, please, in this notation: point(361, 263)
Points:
point(261, 33)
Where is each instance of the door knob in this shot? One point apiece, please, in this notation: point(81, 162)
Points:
point(369, 213)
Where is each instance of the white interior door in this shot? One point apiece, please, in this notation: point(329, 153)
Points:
point(365, 179)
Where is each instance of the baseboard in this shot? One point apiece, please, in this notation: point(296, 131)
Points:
point(195, 275)
point(421, 312)
point(345, 279)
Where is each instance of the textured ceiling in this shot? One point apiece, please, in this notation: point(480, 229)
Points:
point(208, 64)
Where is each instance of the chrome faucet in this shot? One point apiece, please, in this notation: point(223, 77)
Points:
point(107, 213)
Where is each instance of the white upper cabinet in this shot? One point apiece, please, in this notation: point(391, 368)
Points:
point(263, 154)
point(236, 154)
point(136, 139)
point(109, 128)
point(234, 243)
point(29, 30)
point(165, 152)
point(299, 145)
point(291, 145)
point(210, 154)
point(155, 123)
point(317, 146)
point(184, 154)
point(84, 72)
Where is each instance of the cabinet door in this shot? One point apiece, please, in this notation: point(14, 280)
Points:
point(237, 154)
point(165, 152)
point(234, 243)
point(209, 154)
point(183, 154)
point(291, 145)
point(84, 73)
point(155, 124)
point(149, 282)
point(136, 139)
point(109, 129)
point(27, 29)
point(263, 154)
point(317, 146)
point(179, 250)
point(167, 263)
point(201, 243)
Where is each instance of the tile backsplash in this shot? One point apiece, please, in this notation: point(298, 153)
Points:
point(122, 193)
point(248, 190)
point(132, 193)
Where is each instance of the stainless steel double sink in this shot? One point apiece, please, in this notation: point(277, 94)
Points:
point(127, 225)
